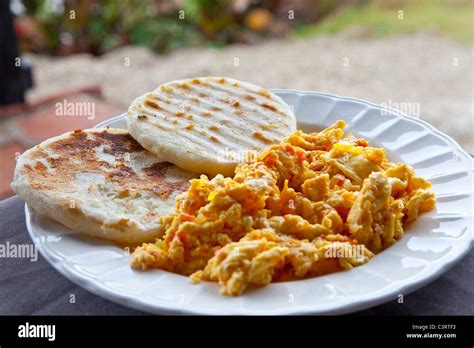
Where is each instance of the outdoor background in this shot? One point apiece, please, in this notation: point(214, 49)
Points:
point(415, 54)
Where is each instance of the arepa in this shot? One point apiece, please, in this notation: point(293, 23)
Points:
point(209, 124)
point(100, 182)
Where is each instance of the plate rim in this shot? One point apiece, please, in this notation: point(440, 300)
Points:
point(132, 301)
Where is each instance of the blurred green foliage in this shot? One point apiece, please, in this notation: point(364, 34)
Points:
point(97, 26)
point(382, 18)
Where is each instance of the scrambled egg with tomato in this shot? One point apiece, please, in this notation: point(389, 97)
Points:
point(278, 217)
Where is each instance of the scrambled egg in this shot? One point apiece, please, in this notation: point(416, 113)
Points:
point(314, 204)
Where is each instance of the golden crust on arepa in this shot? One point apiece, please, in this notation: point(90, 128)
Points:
point(100, 182)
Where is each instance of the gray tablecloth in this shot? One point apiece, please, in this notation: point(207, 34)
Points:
point(36, 288)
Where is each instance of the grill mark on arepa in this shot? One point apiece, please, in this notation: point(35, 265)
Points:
point(253, 103)
point(231, 93)
point(215, 107)
point(262, 137)
point(264, 104)
point(152, 104)
point(228, 105)
point(207, 119)
point(188, 135)
point(244, 87)
point(238, 140)
point(212, 106)
point(241, 108)
point(165, 113)
point(266, 94)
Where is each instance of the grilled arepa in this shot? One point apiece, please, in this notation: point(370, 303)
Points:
point(207, 125)
point(100, 182)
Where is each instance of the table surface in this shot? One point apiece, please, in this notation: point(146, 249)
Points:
point(36, 288)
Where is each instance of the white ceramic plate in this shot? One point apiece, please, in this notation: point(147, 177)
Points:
point(430, 247)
